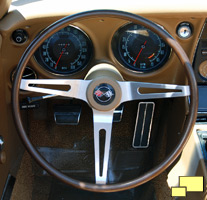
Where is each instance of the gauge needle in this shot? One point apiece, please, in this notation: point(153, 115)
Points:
point(61, 55)
point(143, 46)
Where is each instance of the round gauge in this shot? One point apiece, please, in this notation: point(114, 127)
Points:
point(139, 49)
point(65, 52)
point(203, 70)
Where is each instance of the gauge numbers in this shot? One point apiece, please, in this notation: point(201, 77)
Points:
point(65, 52)
point(139, 49)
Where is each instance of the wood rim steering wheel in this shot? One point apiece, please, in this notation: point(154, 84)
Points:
point(103, 115)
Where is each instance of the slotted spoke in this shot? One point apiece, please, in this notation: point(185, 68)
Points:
point(77, 88)
point(131, 91)
point(102, 121)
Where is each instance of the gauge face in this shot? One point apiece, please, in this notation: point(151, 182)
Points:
point(65, 52)
point(139, 49)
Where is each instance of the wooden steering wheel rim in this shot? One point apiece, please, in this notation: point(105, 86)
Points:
point(189, 122)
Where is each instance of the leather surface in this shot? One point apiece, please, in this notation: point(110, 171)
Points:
point(4, 7)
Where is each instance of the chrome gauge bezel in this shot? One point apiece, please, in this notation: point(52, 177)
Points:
point(119, 58)
point(38, 57)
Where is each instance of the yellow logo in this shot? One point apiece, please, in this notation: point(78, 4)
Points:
point(188, 184)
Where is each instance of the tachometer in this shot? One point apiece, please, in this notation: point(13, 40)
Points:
point(139, 49)
point(65, 52)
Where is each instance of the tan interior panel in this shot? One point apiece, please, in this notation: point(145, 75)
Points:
point(4, 7)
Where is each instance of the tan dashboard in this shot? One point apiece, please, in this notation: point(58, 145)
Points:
point(101, 32)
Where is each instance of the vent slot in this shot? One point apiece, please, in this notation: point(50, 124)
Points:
point(29, 73)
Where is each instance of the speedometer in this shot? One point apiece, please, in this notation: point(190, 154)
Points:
point(139, 49)
point(65, 52)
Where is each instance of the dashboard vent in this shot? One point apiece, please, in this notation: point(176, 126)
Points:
point(29, 73)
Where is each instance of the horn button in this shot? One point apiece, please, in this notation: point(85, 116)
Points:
point(104, 93)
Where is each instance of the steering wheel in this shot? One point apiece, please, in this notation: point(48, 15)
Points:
point(120, 91)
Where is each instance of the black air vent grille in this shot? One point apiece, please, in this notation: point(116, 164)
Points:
point(29, 73)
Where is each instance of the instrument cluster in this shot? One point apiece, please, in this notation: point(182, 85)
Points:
point(135, 47)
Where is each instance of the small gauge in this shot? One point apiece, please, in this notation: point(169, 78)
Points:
point(184, 30)
point(203, 70)
point(139, 49)
point(65, 52)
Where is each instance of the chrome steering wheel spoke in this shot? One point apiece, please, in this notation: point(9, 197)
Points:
point(77, 88)
point(132, 91)
point(102, 121)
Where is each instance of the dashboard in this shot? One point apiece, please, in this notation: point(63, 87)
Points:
point(135, 51)
point(102, 40)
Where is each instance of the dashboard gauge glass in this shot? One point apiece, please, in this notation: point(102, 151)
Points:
point(65, 52)
point(139, 49)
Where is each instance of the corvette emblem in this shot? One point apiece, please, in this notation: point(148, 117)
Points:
point(104, 94)
point(98, 93)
